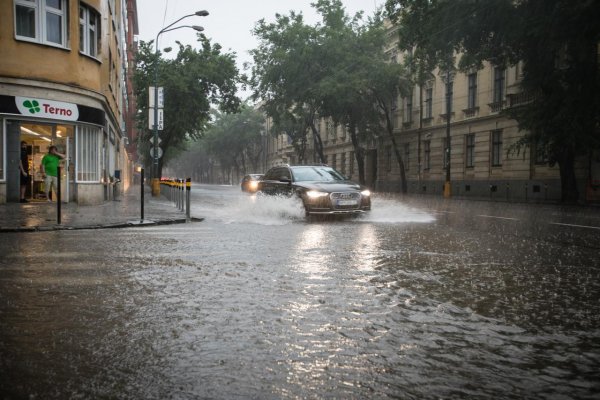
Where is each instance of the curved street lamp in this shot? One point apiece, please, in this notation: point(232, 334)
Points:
point(155, 177)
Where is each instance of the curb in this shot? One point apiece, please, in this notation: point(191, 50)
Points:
point(128, 224)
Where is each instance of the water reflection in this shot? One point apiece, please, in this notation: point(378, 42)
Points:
point(366, 249)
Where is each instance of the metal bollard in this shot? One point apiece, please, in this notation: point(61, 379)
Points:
point(58, 199)
point(180, 192)
point(188, 196)
point(142, 195)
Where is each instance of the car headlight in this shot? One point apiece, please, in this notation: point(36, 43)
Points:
point(253, 184)
point(313, 194)
point(366, 193)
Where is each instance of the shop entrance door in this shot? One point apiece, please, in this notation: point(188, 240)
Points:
point(41, 137)
point(64, 146)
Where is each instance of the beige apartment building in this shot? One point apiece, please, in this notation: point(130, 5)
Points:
point(62, 82)
point(481, 165)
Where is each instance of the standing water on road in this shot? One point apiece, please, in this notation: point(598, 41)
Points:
point(414, 300)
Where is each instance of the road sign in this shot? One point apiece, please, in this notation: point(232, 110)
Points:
point(159, 152)
point(160, 116)
point(161, 97)
point(152, 139)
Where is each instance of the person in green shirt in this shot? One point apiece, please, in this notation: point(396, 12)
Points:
point(50, 164)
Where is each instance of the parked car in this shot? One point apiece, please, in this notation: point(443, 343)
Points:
point(323, 190)
point(250, 182)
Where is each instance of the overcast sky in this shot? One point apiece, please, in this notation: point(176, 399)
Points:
point(230, 21)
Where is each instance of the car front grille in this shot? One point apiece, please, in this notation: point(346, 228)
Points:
point(337, 196)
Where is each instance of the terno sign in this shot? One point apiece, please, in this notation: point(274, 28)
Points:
point(42, 108)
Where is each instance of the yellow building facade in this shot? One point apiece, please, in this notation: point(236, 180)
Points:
point(483, 160)
point(62, 83)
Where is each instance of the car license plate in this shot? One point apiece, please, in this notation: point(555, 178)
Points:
point(347, 202)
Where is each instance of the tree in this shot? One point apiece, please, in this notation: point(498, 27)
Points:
point(557, 41)
point(195, 81)
point(236, 140)
point(336, 69)
point(288, 66)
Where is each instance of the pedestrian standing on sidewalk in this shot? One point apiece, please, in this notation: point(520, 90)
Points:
point(24, 171)
point(50, 164)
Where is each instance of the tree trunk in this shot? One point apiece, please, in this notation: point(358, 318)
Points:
point(318, 142)
point(390, 131)
point(359, 153)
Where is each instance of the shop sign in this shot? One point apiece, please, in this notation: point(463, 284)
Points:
point(51, 109)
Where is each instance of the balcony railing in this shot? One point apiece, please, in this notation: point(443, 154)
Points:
point(471, 112)
point(497, 106)
point(519, 99)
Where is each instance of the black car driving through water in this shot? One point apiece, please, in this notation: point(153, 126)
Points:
point(323, 190)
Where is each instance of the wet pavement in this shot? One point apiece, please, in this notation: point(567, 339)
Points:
point(125, 211)
point(419, 299)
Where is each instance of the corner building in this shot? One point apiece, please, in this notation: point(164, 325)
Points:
point(62, 83)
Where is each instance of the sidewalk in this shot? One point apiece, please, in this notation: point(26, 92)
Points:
point(121, 213)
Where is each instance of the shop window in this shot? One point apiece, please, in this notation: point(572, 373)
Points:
point(89, 30)
point(88, 154)
point(42, 21)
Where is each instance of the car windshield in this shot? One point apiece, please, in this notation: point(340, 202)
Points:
point(320, 174)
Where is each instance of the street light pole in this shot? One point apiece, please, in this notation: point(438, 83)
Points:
point(447, 184)
point(155, 155)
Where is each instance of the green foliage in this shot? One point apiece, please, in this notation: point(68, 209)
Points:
point(236, 140)
point(197, 80)
point(557, 42)
point(288, 66)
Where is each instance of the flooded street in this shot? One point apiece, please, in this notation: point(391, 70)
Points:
point(420, 299)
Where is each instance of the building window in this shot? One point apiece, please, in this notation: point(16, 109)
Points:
point(89, 26)
point(429, 103)
point(408, 109)
point(472, 91)
point(88, 154)
point(498, 85)
point(470, 150)
point(42, 21)
point(496, 148)
point(427, 154)
point(406, 156)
